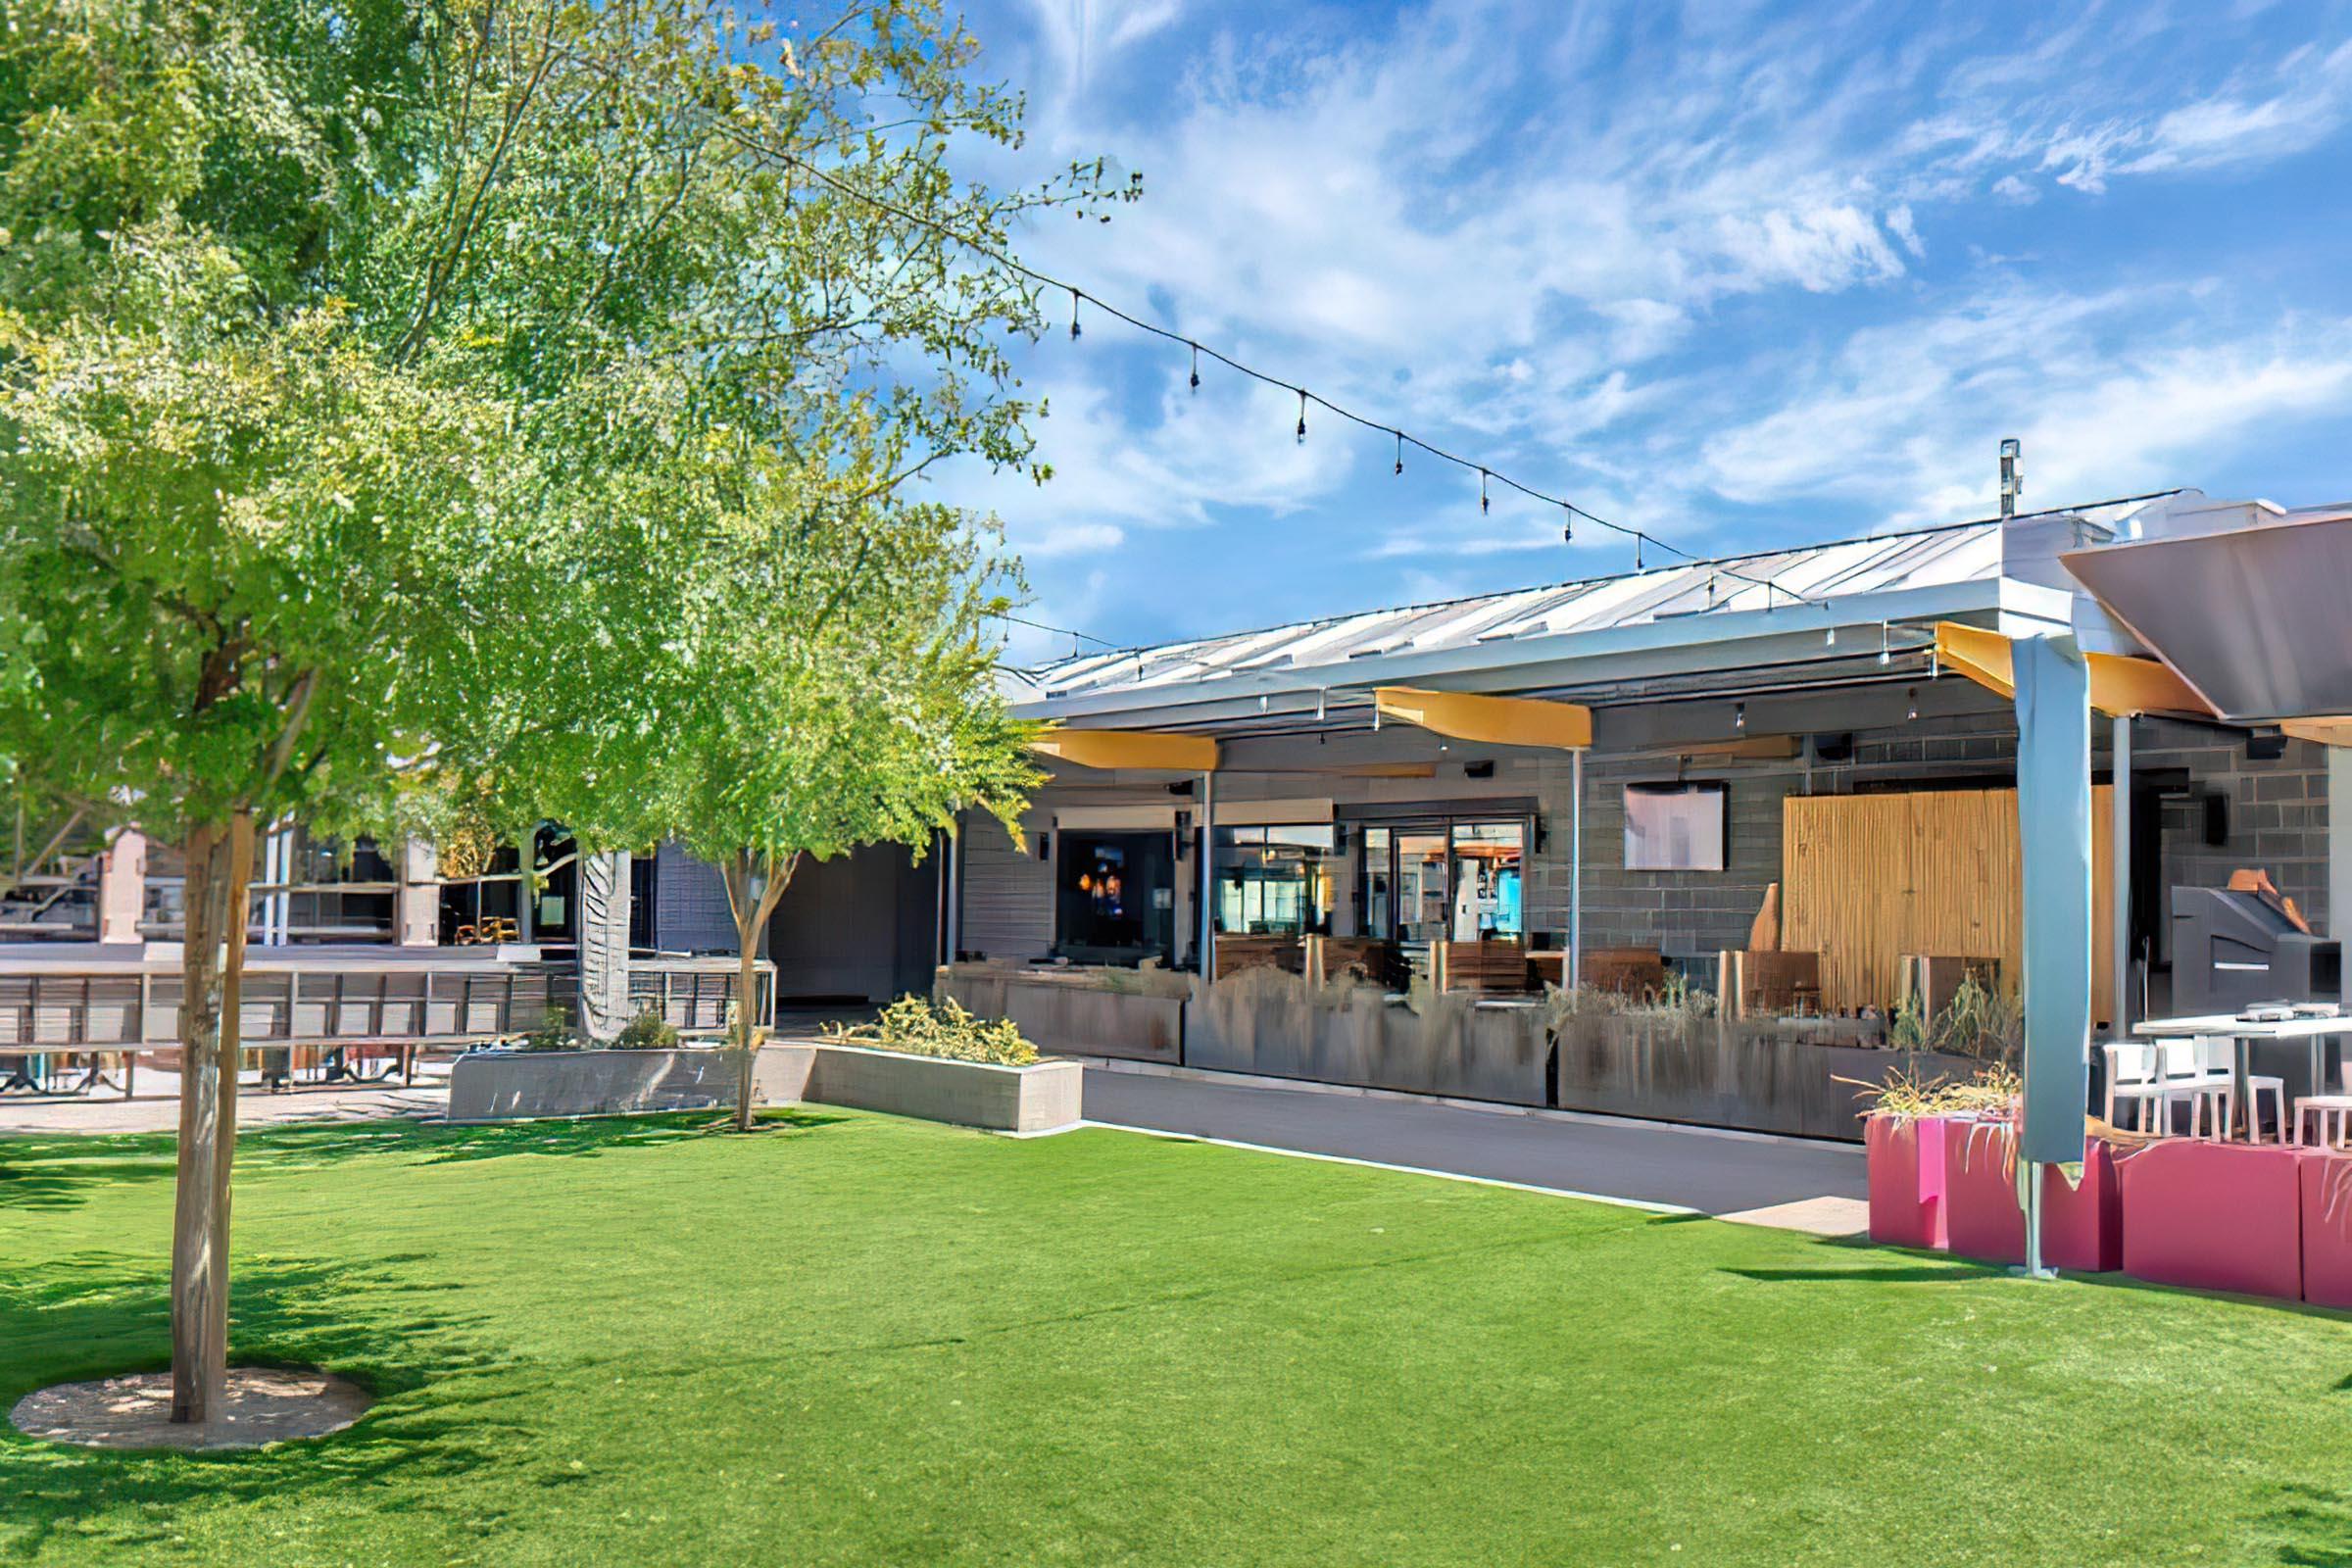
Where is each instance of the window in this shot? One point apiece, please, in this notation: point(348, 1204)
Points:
point(1274, 881)
point(1114, 895)
point(1459, 879)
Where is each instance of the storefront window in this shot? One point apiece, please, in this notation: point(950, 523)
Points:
point(1460, 879)
point(1115, 896)
point(1274, 881)
point(1488, 863)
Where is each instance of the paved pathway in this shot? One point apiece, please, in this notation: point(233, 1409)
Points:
point(1797, 1183)
point(157, 1107)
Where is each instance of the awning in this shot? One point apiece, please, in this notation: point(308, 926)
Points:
point(2253, 619)
point(1129, 748)
point(1495, 721)
point(2118, 685)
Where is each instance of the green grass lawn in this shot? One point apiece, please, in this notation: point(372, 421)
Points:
point(858, 1340)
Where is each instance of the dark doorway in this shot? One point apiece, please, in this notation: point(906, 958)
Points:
point(857, 929)
point(1114, 897)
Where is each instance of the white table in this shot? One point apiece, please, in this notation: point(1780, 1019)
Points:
point(2243, 1032)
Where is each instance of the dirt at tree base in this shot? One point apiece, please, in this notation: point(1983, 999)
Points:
point(262, 1405)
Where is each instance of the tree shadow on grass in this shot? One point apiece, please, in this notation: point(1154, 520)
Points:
point(65, 1171)
point(445, 1407)
point(2313, 1526)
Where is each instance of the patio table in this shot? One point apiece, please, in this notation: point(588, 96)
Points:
point(2243, 1032)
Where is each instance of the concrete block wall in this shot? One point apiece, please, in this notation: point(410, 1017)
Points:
point(2277, 812)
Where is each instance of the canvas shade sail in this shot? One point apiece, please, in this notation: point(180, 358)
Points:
point(1494, 720)
point(2118, 685)
point(1129, 748)
point(2252, 619)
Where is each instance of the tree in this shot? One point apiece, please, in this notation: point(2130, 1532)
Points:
point(848, 700)
point(379, 384)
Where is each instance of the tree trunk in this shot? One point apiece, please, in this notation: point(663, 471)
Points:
point(220, 870)
point(753, 886)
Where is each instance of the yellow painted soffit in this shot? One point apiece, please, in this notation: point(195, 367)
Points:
point(1129, 748)
point(1495, 721)
point(2119, 684)
point(2331, 731)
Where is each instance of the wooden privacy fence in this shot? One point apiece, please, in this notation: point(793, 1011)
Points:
point(1873, 877)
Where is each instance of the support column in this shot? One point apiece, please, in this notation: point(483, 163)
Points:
point(123, 887)
point(956, 888)
point(1576, 868)
point(940, 953)
point(2339, 846)
point(604, 948)
point(416, 906)
point(2118, 871)
point(1208, 887)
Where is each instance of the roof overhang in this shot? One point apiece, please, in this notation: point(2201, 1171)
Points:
point(2254, 620)
point(1494, 720)
point(1678, 644)
point(2119, 684)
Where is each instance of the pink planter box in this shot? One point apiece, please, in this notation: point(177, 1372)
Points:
point(1906, 1180)
point(1980, 1216)
point(2328, 1229)
point(2214, 1216)
point(2082, 1226)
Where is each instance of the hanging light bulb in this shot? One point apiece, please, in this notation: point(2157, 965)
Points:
point(1399, 435)
point(1302, 415)
point(1911, 694)
point(1196, 366)
point(1886, 652)
point(1073, 313)
point(1482, 490)
point(1739, 715)
point(1830, 639)
point(1567, 523)
point(1636, 552)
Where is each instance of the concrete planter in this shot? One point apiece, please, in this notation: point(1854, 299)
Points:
point(1036, 1099)
point(1756, 1075)
point(514, 1085)
point(1081, 1015)
point(1265, 1021)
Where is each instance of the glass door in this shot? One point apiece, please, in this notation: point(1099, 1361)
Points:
point(1422, 885)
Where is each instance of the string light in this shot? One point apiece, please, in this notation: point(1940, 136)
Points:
point(1911, 694)
point(1739, 715)
point(1399, 452)
point(844, 188)
point(1886, 652)
point(1830, 639)
point(1196, 366)
point(1302, 417)
point(1481, 491)
point(1568, 526)
point(1637, 567)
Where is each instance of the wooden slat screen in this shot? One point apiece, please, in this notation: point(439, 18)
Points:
point(1871, 877)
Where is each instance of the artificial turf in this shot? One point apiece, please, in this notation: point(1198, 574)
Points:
point(857, 1339)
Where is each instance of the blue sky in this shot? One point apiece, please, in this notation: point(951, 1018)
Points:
point(1738, 274)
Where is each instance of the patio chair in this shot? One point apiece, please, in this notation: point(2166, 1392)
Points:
point(2217, 1055)
point(2334, 1112)
point(2188, 1074)
point(2135, 1076)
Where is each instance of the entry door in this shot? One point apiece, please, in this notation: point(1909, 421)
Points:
point(859, 928)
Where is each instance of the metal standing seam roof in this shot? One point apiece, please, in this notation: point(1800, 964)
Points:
point(1921, 558)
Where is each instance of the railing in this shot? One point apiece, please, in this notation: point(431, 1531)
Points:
point(135, 1005)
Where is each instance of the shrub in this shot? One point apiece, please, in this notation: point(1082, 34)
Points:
point(552, 1034)
point(647, 1031)
point(921, 1028)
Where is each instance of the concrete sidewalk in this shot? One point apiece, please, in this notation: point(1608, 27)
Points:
point(157, 1107)
point(1798, 1184)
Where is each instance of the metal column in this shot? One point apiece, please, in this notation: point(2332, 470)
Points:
point(1576, 867)
point(1208, 891)
point(940, 953)
point(2119, 869)
point(956, 887)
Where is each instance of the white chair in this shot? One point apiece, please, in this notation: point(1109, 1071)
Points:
point(2135, 1076)
point(2334, 1112)
point(2217, 1055)
point(2187, 1076)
